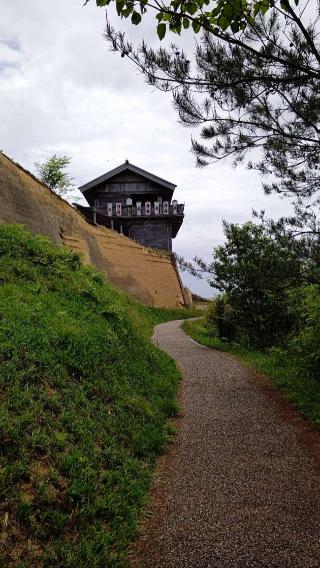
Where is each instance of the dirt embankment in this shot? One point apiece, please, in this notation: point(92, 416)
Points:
point(148, 275)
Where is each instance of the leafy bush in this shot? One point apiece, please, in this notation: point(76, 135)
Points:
point(219, 318)
point(256, 272)
point(304, 345)
point(84, 403)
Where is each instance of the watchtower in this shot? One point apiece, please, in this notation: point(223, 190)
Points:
point(136, 203)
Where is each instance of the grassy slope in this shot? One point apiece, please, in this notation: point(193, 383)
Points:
point(84, 405)
point(302, 392)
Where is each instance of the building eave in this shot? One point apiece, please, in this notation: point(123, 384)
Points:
point(123, 167)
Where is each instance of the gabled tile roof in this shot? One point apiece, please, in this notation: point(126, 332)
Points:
point(122, 168)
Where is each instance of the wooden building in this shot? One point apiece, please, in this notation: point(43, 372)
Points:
point(135, 203)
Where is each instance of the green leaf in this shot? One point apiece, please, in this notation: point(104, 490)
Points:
point(119, 6)
point(102, 2)
point(136, 18)
point(191, 8)
point(196, 26)
point(215, 12)
point(223, 23)
point(186, 23)
point(264, 6)
point(227, 11)
point(234, 27)
point(161, 30)
point(127, 11)
point(256, 8)
point(284, 6)
point(264, 9)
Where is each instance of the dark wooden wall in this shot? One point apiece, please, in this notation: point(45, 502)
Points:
point(154, 234)
point(118, 188)
point(129, 182)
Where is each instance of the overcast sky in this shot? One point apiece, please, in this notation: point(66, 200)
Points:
point(62, 91)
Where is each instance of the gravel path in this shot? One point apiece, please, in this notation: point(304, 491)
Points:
point(239, 487)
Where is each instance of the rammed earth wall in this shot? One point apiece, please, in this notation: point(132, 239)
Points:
point(146, 274)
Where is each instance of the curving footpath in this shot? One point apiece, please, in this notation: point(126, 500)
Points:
point(239, 487)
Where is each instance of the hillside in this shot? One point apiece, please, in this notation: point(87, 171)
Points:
point(85, 399)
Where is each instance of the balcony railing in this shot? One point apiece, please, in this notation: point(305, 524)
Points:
point(147, 209)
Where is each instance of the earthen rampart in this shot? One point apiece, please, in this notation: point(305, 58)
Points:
point(148, 275)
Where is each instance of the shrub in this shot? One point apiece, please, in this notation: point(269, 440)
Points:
point(219, 318)
point(304, 344)
point(256, 271)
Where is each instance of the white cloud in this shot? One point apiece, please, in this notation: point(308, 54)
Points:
point(62, 91)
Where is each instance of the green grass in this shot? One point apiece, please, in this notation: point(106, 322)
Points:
point(145, 317)
point(85, 403)
point(303, 392)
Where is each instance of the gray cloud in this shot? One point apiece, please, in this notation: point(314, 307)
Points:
point(62, 91)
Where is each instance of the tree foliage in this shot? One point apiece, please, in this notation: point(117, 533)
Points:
point(303, 345)
point(256, 271)
point(255, 93)
point(52, 173)
point(176, 15)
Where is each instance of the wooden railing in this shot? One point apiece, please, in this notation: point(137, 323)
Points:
point(113, 210)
